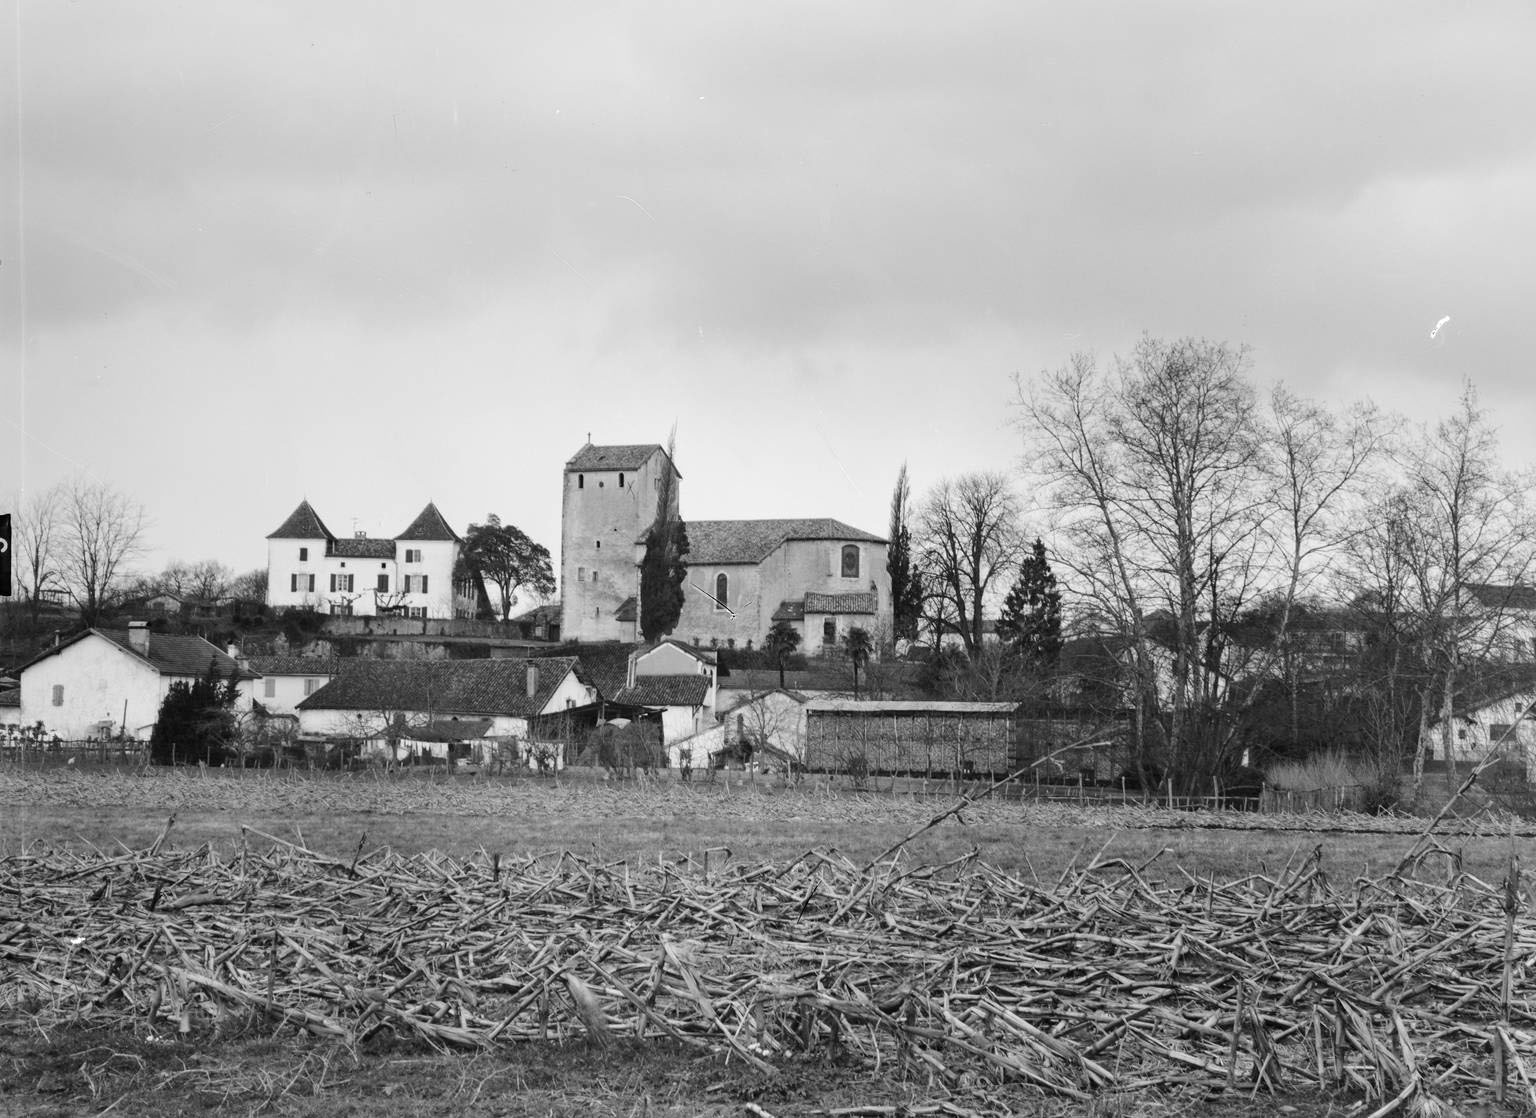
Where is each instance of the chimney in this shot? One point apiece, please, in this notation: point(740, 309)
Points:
point(533, 680)
point(138, 637)
point(237, 654)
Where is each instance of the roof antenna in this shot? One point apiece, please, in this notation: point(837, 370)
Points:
point(589, 438)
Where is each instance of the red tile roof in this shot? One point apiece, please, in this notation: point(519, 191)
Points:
point(167, 654)
point(496, 686)
point(666, 691)
point(303, 523)
point(295, 665)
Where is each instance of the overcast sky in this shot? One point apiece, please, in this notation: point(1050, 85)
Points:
point(376, 254)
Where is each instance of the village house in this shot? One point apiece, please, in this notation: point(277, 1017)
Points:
point(101, 683)
point(1496, 710)
point(821, 576)
point(285, 680)
point(374, 701)
point(414, 574)
point(676, 681)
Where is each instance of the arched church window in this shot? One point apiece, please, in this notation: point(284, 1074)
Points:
point(722, 590)
point(850, 561)
point(581, 481)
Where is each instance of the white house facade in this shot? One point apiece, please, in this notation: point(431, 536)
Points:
point(101, 683)
point(287, 680)
point(411, 574)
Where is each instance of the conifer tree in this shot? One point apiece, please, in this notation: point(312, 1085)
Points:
point(196, 721)
point(663, 569)
point(906, 583)
point(1031, 619)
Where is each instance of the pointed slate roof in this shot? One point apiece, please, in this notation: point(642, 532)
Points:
point(428, 525)
point(303, 523)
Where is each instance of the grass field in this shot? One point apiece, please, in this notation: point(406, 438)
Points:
point(61, 1064)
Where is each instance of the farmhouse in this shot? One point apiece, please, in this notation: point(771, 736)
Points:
point(287, 679)
point(821, 576)
point(1495, 712)
point(674, 680)
point(103, 682)
point(379, 701)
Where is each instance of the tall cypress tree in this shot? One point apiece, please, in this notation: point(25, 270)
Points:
point(906, 583)
point(1031, 619)
point(663, 569)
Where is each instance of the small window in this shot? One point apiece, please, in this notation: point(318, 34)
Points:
point(730, 642)
point(269, 688)
point(829, 631)
point(581, 481)
point(597, 611)
point(621, 481)
point(594, 574)
point(599, 483)
point(383, 586)
point(303, 555)
point(850, 561)
point(599, 545)
point(722, 590)
point(311, 686)
point(416, 611)
point(1461, 735)
point(58, 694)
point(581, 574)
point(343, 564)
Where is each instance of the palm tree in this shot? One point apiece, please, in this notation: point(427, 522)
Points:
point(858, 645)
point(782, 640)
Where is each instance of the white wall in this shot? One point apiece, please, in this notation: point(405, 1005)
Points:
point(288, 690)
point(437, 561)
point(98, 678)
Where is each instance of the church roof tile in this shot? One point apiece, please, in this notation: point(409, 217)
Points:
point(752, 541)
point(629, 457)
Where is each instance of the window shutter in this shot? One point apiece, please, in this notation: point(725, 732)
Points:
point(333, 584)
point(423, 584)
point(293, 584)
point(311, 584)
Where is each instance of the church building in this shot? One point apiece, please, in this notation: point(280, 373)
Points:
point(820, 575)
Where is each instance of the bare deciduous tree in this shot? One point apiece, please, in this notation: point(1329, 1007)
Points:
point(100, 530)
point(1182, 499)
point(35, 535)
point(969, 539)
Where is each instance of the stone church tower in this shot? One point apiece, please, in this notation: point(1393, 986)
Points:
point(608, 503)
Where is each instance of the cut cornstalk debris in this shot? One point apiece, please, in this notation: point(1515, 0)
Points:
point(1399, 988)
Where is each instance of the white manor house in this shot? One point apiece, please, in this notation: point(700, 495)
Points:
point(409, 575)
